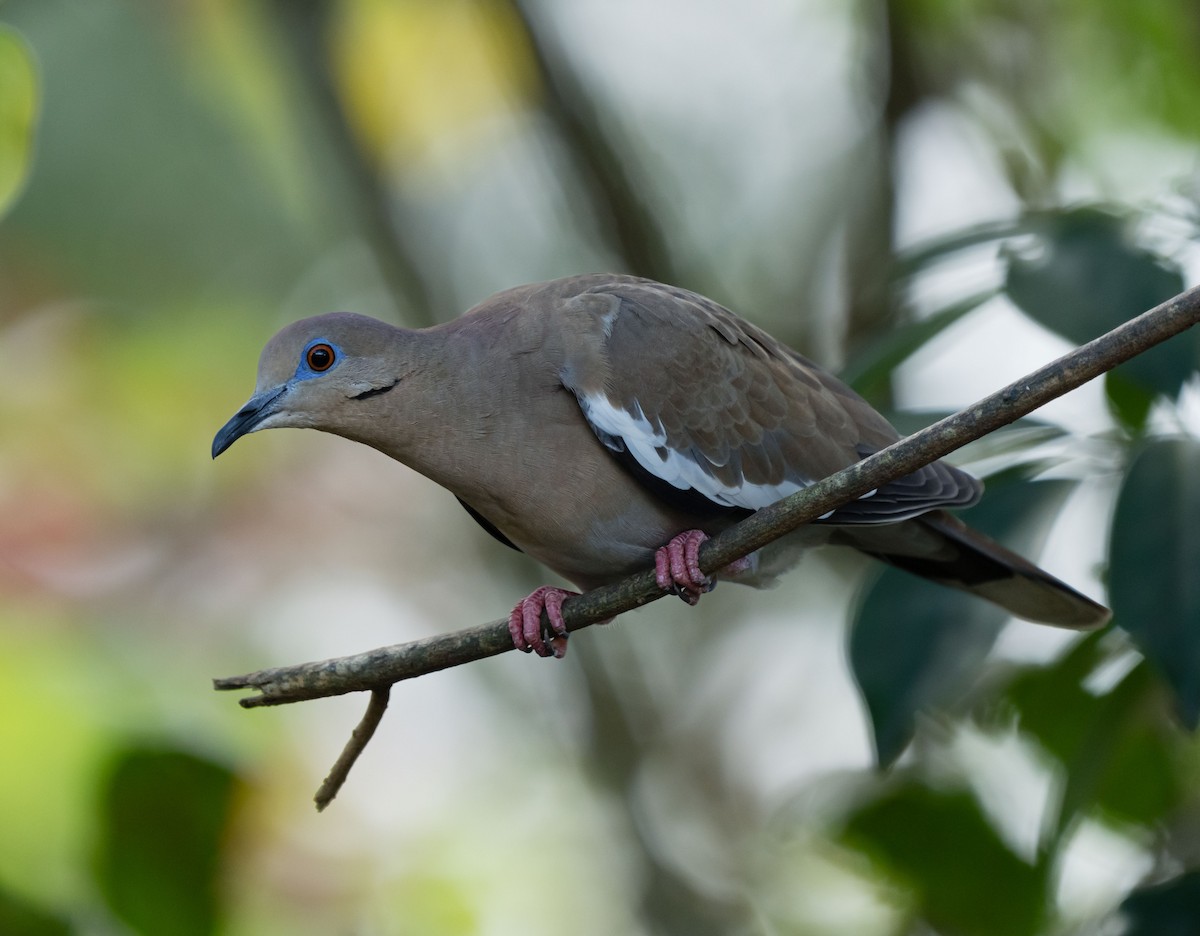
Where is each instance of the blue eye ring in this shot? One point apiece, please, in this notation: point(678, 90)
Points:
point(320, 357)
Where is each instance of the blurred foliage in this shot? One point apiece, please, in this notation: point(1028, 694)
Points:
point(18, 112)
point(877, 183)
point(1155, 589)
point(27, 919)
point(415, 73)
point(1169, 909)
point(1116, 749)
point(936, 656)
point(164, 817)
point(1084, 279)
point(941, 844)
point(870, 371)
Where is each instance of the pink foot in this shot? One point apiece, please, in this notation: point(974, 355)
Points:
point(677, 567)
point(525, 622)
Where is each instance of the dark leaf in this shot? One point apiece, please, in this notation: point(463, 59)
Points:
point(966, 880)
point(1129, 402)
point(1089, 278)
point(18, 917)
point(164, 814)
point(1170, 909)
point(1154, 562)
point(915, 645)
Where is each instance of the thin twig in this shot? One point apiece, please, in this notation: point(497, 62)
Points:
point(614, 200)
point(358, 741)
point(387, 665)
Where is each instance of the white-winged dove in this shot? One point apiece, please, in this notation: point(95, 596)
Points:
point(600, 423)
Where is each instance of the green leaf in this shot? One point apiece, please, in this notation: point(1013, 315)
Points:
point(1089, 278)
point(1119, 754)
point(1051, 703)
point(1170, 909)
point(164, 815)
point(18, 113)
point(940, 845)
point(1154, 562)
point(870, 370)
point(924, 255)
point(1138, 777)
point(915, 645)
point(1129, 402)
point(18, 917)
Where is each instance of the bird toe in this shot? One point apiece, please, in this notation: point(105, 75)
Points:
point(525, 622)
point(677, 567)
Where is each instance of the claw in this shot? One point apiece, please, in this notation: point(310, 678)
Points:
point(677, 567)
point(525, 622)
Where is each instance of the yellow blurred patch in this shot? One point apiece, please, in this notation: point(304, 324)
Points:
point(412, 71)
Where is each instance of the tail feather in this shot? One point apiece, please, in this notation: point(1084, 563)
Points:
point(940, 547)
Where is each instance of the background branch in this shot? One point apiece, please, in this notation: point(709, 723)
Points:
point(352, 185)
point(614, 200)
point(387, 665)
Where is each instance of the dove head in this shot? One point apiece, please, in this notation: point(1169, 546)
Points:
point(323, 373)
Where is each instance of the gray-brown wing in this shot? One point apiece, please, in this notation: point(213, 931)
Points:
point(709, 404)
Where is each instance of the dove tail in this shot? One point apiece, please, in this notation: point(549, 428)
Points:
point(940, 547)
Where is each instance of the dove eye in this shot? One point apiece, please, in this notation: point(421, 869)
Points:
point(319, 357)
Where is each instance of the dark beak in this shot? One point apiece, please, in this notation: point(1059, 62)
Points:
point(245, 420)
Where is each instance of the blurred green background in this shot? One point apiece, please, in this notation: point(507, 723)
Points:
point(933, 197)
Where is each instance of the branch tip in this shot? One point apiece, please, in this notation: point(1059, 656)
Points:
point(359, 738)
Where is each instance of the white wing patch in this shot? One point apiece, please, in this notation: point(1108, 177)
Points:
point(647, 443)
